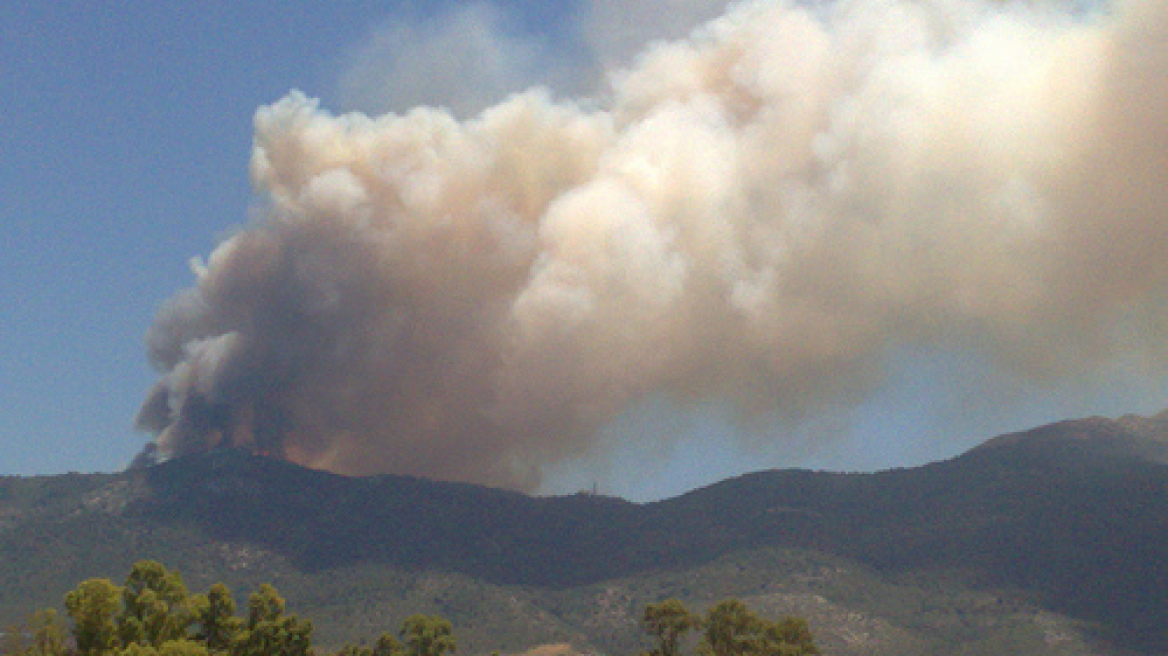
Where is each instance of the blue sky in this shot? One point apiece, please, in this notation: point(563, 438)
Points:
point(125, 134)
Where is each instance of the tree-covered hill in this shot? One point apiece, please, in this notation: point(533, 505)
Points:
point(1065, 526)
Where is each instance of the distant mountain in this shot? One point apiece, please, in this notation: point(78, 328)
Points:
point(1053, 540)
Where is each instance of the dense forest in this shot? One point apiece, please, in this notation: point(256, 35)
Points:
point(153, 614)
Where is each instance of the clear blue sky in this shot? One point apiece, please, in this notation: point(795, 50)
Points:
point(125, 134)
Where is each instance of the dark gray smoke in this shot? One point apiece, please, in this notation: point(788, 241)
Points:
point(764, 212)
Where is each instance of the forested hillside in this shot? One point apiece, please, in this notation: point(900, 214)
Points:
point(154, 614)
point(1055, 539)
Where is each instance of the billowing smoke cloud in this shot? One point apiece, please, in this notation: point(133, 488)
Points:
point(762, 214)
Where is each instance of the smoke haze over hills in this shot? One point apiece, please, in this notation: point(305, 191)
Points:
point(757, 216)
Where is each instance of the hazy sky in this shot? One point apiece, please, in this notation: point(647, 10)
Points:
point(126, 133)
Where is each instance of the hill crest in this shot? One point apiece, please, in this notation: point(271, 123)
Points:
point(1073, 515)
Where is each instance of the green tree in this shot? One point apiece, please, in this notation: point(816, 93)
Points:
point(183, 647)
point(387, 645)
point(48, 634)
point(790, 636)
point(138, 649)
point(287, 636)
point(93, 607)
point(730, 630)
point(426, 635)
point(155, 606)
point(218, 627)
point(269, 632)
point(668, 622)
point(152, 615)
point(265, 605)
point(180, 647)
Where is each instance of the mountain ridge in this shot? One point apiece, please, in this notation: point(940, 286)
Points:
point(1071, 515)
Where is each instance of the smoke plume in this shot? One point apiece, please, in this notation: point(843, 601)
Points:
point(758, 216)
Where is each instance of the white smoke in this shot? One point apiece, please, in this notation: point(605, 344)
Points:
point(463, 58)
point(763, 212)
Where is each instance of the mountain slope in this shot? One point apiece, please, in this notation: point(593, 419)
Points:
point(1071, 518)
